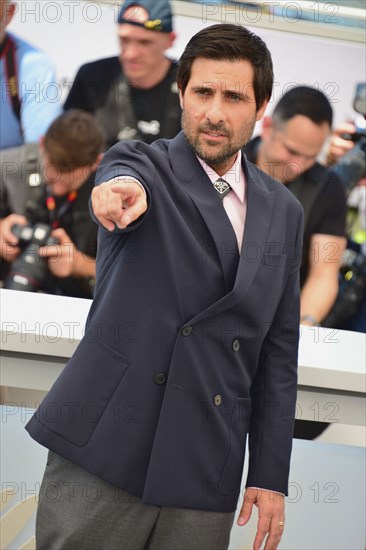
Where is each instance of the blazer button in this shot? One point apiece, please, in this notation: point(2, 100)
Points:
point(236, 345)
point(217, 400)
point(160, 378)
point(187, 331)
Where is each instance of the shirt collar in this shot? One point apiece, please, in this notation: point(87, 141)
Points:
point(234, 176)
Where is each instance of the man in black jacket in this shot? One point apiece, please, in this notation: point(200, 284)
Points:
point(287, 150)
point(135, 95)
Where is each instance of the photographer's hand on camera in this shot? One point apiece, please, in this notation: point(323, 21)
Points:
point(65, 260)
point(9, 249)
point(119, 202)
point(338, 145)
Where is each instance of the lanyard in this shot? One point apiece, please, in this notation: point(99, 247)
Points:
point(56, 215)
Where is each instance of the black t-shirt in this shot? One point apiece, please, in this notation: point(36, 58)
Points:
point(126, 112)
point(150, 107)
point(92, 84)
point(323, 198)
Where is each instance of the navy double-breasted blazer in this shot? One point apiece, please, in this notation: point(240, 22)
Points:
point(189, 346)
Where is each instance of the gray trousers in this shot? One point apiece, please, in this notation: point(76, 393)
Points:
point(79, 511)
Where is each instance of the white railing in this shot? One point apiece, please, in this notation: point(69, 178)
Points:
point(38, 332)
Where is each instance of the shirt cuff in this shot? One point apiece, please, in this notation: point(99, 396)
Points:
point(122, 178)
point(269, 490)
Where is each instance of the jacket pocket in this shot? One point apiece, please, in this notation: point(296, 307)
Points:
point(77, 400)
point(232, 470)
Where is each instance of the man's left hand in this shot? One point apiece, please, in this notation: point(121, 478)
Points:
point(271, 516)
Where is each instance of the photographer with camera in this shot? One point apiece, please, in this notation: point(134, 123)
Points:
point(47, 238)
point(347, 152)
point(287, 150)
point(291, 140)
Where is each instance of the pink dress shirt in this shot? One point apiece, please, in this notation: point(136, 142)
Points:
point(235, 202)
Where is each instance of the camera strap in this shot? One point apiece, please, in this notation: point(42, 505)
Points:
point(57, 214)
point(7, 50)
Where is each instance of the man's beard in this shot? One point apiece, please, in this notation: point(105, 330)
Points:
point(221, 158)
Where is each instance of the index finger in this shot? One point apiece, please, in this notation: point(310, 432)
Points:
point(345, 127)
point(100, 209)
point(50, 251)
point(127, 189)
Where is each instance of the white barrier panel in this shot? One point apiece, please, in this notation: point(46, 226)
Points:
point(326, 504)
point(38, 332)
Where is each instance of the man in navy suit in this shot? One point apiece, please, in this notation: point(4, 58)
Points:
point(192, 338)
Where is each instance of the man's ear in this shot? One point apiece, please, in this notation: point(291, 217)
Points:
point(41, 144)
point(172, 37)
point(181, 100)
point(97, 161)
point(168, 39)
point(267, 126)
point(261, 110)
point(10, 12)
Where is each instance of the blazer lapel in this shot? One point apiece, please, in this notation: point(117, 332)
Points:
point(260, 203)
point(201, 191)
point(258, 219)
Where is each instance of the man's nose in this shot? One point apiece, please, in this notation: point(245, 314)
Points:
point(129, 51)
point(295, 159)
point(215, 112)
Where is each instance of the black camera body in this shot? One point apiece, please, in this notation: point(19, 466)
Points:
point(30, 271)
point(352, 276)
point(352, 290)
point(352, 167)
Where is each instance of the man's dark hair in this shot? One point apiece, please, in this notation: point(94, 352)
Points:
point(74, 140)
point(306, 101)
point(230, 43)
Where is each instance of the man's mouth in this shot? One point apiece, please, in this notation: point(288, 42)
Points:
point(214, 135)
point(132, 63)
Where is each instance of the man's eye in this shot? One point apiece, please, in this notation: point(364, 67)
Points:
point(203, 92)
point(233, 98)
